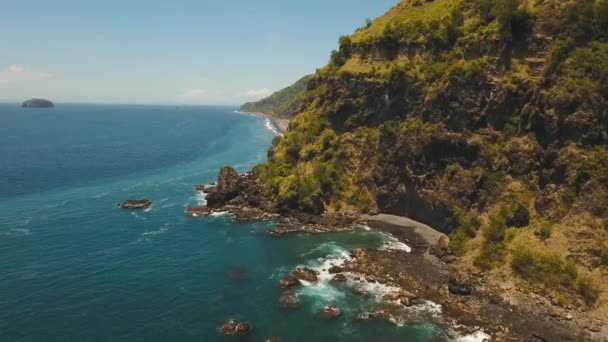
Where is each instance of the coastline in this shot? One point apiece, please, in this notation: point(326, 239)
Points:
point(279, 125)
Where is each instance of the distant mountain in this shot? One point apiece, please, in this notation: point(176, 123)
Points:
point(37, 103)
point(284, 103)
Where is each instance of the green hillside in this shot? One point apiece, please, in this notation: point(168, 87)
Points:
point(284, 103)
point(486, 119)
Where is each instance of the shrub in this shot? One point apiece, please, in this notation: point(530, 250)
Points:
point(604, 253)
point(494, 247)
point(518, 214)
point(547, 269)
point(588, 290)
point(546, 228)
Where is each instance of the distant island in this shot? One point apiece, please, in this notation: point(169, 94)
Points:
point(37, 103)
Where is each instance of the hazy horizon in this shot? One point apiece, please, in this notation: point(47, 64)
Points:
point(211, 52)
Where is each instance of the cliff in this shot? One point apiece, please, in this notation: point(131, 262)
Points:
point(284, 103)
point(487, 120)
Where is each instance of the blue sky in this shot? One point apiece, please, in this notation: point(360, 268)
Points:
point(135, 51)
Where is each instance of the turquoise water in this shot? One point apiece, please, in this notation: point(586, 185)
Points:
point(74, 267)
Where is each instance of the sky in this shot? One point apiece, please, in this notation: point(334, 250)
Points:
point(168, 52)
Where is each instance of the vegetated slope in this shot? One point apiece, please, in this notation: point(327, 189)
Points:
point(487, 119)
point(284, 103)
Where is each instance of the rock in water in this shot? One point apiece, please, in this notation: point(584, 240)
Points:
point(338, 278)
point(289, 300)
point(288, 281)
point(235, 328)
point(330, 312)
point(198, 210)
point(135, 204)
point(37, 103)
point(227, 187)
point(306, 274)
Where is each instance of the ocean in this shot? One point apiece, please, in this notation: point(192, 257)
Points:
point(75, 267)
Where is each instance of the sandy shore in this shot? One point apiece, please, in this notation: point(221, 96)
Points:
point(280, 125)
point(404, 228)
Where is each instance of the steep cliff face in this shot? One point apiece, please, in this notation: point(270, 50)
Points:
point(461, 114)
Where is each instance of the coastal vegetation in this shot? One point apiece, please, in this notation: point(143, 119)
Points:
point(284, 103)
point(484, 119)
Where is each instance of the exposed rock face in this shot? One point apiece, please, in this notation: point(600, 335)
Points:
point(135, 204)
point(236, 328)
point(37, 103)
point(227, 187)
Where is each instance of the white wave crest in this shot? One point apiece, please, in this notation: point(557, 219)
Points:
point(156, 232)
point(392, 243)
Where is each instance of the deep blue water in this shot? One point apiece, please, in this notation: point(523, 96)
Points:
point(74, 267)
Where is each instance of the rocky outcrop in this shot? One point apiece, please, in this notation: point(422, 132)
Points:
point(198, 210)
point(227, 187)
point(135, 204)
point(37, 103)
point(339, 278)
point(288, 282)
point(236, 328)
point(305, 274)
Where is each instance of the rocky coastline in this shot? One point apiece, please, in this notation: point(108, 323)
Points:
point(427, 274)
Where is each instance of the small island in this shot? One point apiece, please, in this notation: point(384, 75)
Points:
point(37, 103)
point(135, 204)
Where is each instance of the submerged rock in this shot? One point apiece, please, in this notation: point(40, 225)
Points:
point(236, 328)
point(289, 300)
point(330, 312)
point(135, 204)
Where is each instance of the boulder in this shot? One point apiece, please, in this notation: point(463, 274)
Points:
point(199, 187)
point(330, 312)
point(135, 204)
point(335, 269)
point(198, 210)
point(288, 282)
point(236, 328)
point(289, 300)
point(306, 274)
point(338, 278)
point(459, 288)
